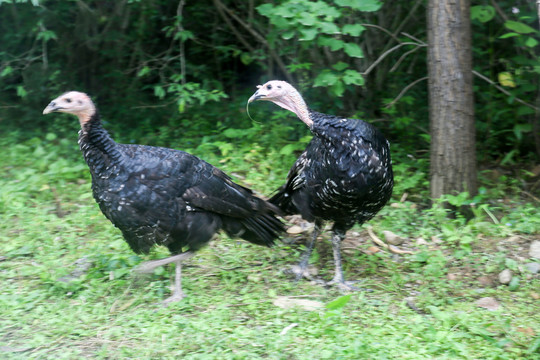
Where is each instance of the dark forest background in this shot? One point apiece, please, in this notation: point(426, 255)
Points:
point(178, 74)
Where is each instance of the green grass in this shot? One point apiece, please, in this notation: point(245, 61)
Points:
point(49, 220)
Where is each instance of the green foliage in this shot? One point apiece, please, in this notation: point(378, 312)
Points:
point(326, 26)
point(508, 129)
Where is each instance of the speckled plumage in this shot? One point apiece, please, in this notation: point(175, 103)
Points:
point(344, 175)
point(169, 197)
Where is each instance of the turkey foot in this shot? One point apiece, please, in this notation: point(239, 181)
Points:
point(302, 269)
point(177, 294)
point(149, 267)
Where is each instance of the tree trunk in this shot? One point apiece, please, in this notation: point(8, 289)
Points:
point(451, 106)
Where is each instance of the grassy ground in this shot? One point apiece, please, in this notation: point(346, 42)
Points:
point(240, 304)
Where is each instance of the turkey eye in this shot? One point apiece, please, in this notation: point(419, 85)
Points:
point(269, 87)
point(68, 100)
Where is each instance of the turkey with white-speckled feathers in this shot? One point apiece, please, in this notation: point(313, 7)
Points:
point(343, 176)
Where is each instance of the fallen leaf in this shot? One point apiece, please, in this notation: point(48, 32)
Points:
point(372, 250)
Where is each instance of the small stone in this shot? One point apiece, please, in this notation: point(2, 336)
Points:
point(392, 238)
point(452, 277)
point(535, 296)
point(488, 303)
point(533, 268)
point(421, 241)
point(505, 276)
point(534, 250)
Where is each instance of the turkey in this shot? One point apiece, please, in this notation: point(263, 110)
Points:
point(159, 196)
point(343, 176)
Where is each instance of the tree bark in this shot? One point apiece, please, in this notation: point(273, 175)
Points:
point(451, 103)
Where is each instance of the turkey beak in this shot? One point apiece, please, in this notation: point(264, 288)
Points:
point(52, 107)
point(255, 97)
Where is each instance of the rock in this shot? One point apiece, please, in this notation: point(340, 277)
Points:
point(392, 238)
point(505, 276)
point(534, 250)
point(421, 241)
point(452, 277)
point(488, 303)
point(535, 295)
point(295, 229)
point(533, 268)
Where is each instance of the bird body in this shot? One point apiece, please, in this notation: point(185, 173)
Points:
point(344, 175)
point(160, 196)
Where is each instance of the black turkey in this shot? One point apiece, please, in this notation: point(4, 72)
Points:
point(159, 196)
point(343, 176)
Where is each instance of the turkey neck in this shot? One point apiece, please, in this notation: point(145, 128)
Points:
point(98, 148)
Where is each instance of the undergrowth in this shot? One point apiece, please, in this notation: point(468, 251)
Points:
point(417, 306)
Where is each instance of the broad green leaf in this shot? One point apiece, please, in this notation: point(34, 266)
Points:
point(518, 27)
point(338, 88)
point(353, 50)
point(7, 70)
point(145, 70)
point(21, 92)
point(325, 78)
point(482, 13)
point(333, 44)
point(353, 29)
point(288, 149)
point(159, 92)
point(353, 77)
point(340, 66)
point(246, 58)
point(338, 303)
point(307, 19)
point(506, 79)
point(265, 10)
point(508, 35)
point(288, 35)
point(531, 42)
point(308, 34)
point(329, 28)
point(514, 284)
point(283, 11)
point(362, 5)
